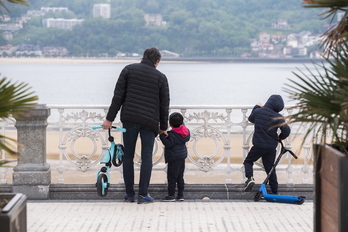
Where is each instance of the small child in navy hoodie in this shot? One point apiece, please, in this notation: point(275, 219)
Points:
point(267, 121)
point(175, 153)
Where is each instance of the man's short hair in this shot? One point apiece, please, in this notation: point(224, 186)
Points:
point(152, 54)
point(176, 119)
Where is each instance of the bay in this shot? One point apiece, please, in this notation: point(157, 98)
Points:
point(191, 83)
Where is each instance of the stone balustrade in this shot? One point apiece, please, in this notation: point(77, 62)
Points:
point(220, 140)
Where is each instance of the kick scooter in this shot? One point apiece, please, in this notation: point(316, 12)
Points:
point(273, 197)
point(113, 155)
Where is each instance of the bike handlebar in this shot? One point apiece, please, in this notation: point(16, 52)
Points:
point(114, 127)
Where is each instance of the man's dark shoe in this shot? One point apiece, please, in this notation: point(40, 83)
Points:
point(145, 199)
point(249, 184)
point(128, 198)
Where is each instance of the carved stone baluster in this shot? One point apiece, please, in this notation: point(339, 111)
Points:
point(32, 175)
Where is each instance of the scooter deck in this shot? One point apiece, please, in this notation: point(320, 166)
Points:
point(280, 198)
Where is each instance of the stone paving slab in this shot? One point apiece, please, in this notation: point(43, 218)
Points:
point(190, 216)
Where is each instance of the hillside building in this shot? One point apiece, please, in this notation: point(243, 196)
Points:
point(280, 24)
point(154, 20)
point(102, 10)
point(10, 27)
point(7, 35)
point(65, 24)
point(54, 9)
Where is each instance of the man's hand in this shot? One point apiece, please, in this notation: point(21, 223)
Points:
point(106, 124)
point(163, 132)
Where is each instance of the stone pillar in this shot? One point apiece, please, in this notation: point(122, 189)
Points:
point(32, 175)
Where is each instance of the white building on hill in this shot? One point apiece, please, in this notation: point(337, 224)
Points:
point(102, 10)
point(66, 24)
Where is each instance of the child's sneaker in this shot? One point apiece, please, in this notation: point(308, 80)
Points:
point(145, 199)
point(168, 199)
point(180, 198)
point(249, 184)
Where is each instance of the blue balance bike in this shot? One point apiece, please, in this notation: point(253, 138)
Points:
point(113, 155)
point(278, 198)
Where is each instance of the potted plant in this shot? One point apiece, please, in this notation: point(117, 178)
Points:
point(14, 98)
point(322, 104)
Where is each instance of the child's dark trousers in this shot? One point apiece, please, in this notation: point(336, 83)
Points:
point(268, 157)
point(175, 177)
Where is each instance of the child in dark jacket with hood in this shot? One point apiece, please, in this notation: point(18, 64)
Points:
point(265, 139)
point(175, 153)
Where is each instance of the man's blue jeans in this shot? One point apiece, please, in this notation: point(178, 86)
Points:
point(130, 137)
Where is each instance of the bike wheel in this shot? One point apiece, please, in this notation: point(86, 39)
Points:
point(116, 161)
point(102, 185)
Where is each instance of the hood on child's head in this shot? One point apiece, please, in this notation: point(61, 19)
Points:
point(182, 130)
point(275, 102)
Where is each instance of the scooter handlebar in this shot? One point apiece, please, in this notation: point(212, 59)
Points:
point(295, 156)
point(284, 150)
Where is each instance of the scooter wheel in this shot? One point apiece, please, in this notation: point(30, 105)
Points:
point(257, 196)
point(117, 162)
point(301, 201)
point(102, 185)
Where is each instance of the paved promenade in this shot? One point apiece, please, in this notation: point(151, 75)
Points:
point(187, 216)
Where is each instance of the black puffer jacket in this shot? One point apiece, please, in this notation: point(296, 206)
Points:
point(265, 135)
point(175, 144)
point(143, 93)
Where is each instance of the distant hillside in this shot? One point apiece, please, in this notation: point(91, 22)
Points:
point(221, 28)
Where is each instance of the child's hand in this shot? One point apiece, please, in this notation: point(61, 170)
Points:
point(259, 104)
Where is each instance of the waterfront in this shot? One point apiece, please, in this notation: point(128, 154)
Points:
point(192, 83)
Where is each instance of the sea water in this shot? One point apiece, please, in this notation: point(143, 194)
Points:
point(191, 83)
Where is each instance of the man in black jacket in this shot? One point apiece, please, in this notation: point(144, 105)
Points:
point(143, 93)
point(267, 120)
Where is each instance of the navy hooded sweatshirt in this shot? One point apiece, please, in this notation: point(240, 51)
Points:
point(265, 120)
point(175, 143)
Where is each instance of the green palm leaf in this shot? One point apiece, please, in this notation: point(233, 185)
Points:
point(338, 33)
point(20, 2)
point(322, 98)
point(14, 99)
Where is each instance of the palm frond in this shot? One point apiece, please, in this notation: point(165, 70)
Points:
point(3, 162)
point(338, 33)
point(19, 2)
point(325, 3)
point(15, 97)
point(10, 149)
point(322, 98)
